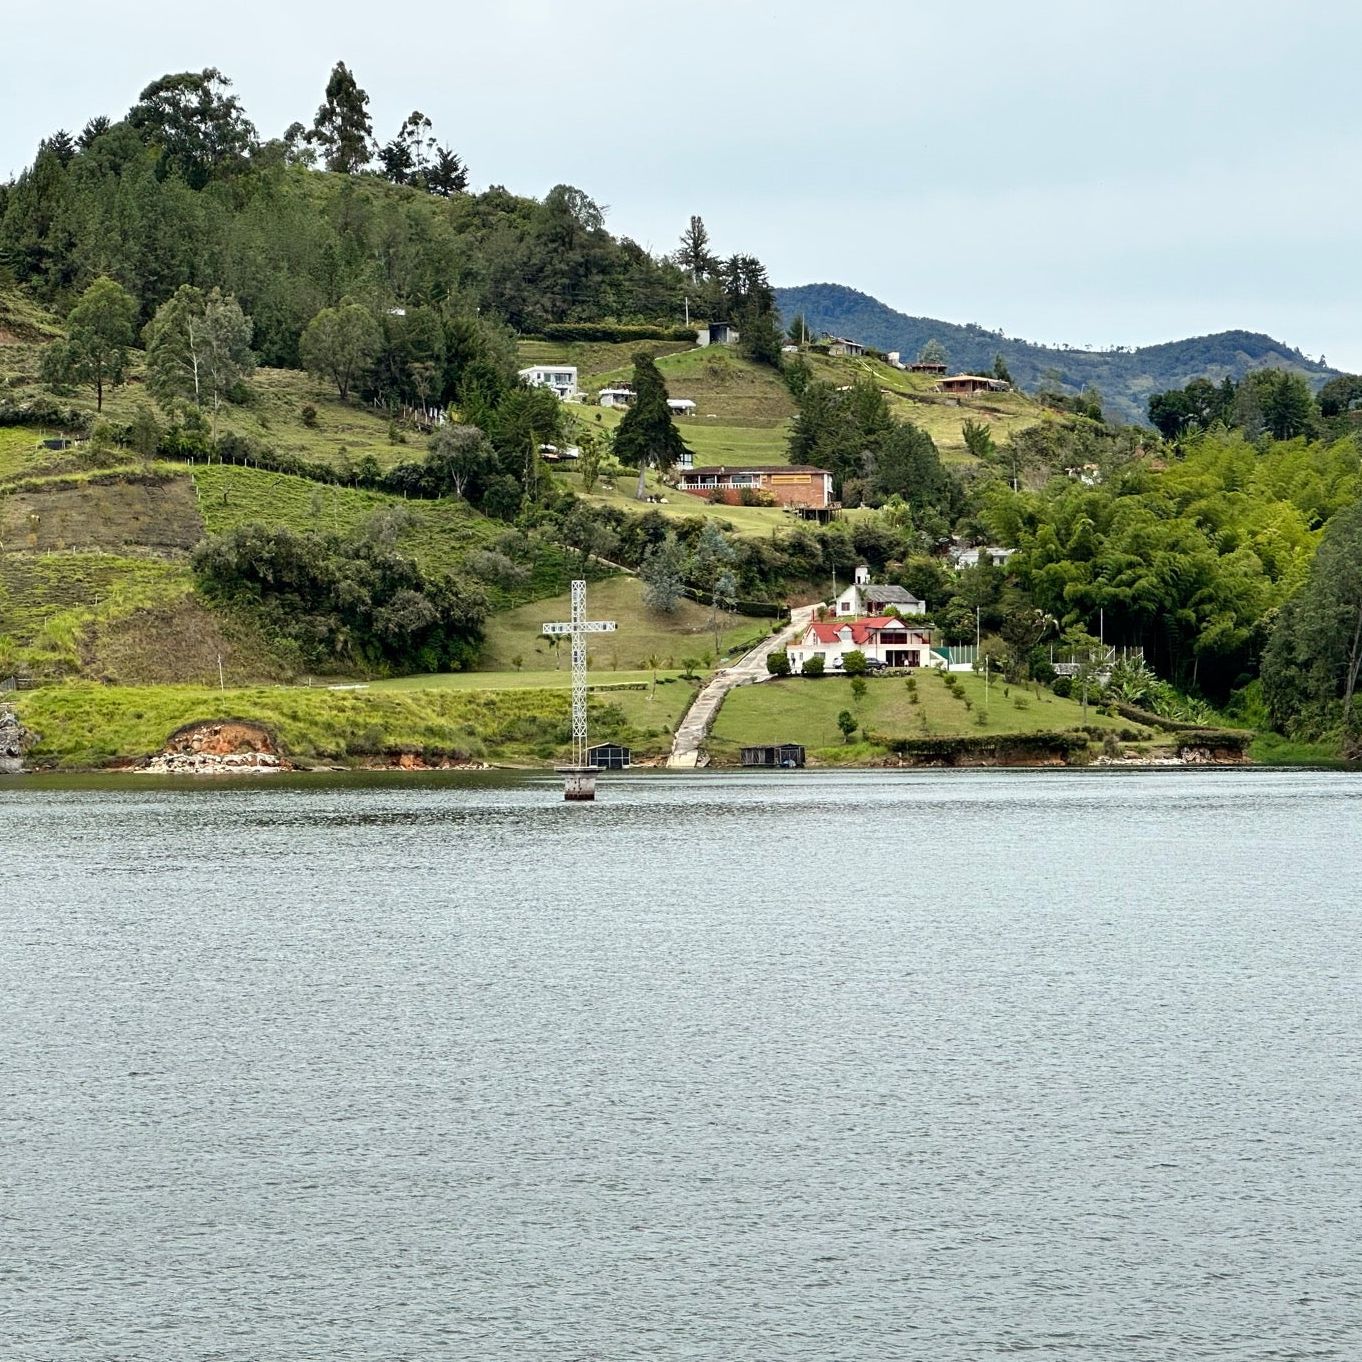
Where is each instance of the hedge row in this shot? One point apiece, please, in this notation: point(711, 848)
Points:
point(756, 609)
point(41, 411)
point(609, 331)
point(1030, 744)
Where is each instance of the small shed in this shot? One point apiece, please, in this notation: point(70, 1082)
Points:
point(840, 345)
point(608, 756)
point(785, 754)
point(717, 333)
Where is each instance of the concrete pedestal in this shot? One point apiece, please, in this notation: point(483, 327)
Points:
point(579, 782)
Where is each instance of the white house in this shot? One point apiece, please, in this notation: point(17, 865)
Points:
point(862, 597)
point(991, 554)
point(621, 396)
point(562, 378)
point(718, 333)
point(681, 406)
point(880, 637)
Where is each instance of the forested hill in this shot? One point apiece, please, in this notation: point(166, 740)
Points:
point(1126, 378)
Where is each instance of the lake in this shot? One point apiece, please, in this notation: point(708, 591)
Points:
point(814, 1065)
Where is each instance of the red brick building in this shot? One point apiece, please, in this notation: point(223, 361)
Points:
point(789, 484)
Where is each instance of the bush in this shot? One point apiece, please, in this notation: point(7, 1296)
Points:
point(853, 663)
point(813, 667)
point(309, 415)
point(1111, 747)
point(778, 662)
point(1063, 686)
point(614, 331)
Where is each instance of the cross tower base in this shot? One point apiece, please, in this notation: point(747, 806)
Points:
point(579, 782)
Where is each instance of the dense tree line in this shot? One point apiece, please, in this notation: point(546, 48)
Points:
point(353, 601)
point(1314, 658)
point(182, 190)
point(1271, 402)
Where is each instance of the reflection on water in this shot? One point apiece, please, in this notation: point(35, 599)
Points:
point(796, 1065)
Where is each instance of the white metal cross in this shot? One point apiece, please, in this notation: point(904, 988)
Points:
point(577, 629)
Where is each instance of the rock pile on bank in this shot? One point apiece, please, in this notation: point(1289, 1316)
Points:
point(211, 764)
point(219, 747)
point(15, 740)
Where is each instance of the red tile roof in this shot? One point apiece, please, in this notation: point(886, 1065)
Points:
point(829, 631)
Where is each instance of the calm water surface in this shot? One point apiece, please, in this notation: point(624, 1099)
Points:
point(817, 1066)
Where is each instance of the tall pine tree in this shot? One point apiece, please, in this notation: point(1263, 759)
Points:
point(648, 437)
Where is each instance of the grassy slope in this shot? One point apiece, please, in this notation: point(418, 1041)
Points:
point(806, 712)
point(911, 399)
point(593, 359)
point(273, 415)
point(641, 633)
point(82, 725)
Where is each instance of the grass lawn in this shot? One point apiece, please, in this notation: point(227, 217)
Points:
point(82, 725)
point(642, 632)
point(521, 680)
point(801, 711)
point(1271, 749)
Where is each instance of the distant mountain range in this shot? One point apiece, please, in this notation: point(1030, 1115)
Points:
point(1126, 378)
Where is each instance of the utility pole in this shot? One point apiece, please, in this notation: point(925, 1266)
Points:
point(687, 311)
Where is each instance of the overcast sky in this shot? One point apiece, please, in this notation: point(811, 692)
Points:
point(1078, 171)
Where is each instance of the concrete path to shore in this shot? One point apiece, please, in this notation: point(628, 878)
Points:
point(748, 669)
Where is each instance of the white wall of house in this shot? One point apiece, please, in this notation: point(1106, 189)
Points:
point(914, 653)
point(562, 378)
point(852, 603)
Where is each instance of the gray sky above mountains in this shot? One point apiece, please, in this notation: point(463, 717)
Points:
point(1076, 171)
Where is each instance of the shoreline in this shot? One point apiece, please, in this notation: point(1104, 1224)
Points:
point(244, 771)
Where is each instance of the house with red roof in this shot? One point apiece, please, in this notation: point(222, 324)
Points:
point(884, 638)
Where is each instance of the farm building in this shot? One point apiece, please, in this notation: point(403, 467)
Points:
point(966, 385)
point(718, 333)
point(926, 367)
point(562, 378)
point(621, 396)
point(681, 406)
point(785, 754)
point(608, 756)
point(787, 484)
